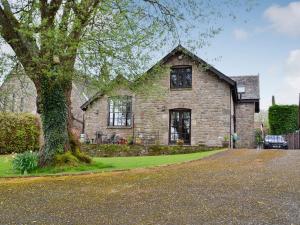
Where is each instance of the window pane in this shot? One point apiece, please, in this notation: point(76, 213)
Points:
point(181, 77)
point(120, 111)
point(180, 125)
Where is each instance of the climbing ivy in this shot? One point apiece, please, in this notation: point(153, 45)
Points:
point(54, 120)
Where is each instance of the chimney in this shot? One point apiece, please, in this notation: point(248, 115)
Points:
point(273, 100)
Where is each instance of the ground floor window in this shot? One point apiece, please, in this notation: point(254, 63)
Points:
point(120, 111)
point(180, 126)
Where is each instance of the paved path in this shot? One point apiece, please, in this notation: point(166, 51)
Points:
point(232, 187)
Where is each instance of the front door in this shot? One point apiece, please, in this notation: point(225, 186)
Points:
point(180, 126)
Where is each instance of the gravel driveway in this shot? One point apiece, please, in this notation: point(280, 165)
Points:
point(232, 187)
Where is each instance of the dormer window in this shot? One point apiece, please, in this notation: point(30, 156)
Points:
point(181, 77)
point(241, 89)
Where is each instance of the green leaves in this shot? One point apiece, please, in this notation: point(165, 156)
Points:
point(25, 162)
point(18, 133)
point(283, 119)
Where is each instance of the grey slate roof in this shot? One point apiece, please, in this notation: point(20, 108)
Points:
point(251, 84)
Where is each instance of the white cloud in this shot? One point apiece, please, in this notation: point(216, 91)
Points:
point(285, 19)
point(290, 88)
point(240, 34)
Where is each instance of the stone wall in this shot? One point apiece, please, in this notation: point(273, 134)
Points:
point(18, 94)
point(208, 99)
point(97, 113)
point(245, 125)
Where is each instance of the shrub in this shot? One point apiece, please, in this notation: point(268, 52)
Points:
point(110, 150)
point(283, 119)
point(25, 162)
point(83, 157)
point(180, 142)
point(18, 133)
point(258, 136)
point(66, 158)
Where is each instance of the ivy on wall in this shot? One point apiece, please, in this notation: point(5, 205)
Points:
point(283, 119)
point(18, 133)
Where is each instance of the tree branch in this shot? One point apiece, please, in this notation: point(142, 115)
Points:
point(48, 11)
point(63, 26)
point(53, 8)
point(83, 13)
point(24, 47)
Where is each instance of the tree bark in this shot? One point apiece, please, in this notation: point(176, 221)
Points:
point(54, 115)
point(54, 105)
point(73, 143)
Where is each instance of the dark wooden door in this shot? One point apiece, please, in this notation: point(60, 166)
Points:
point(180, 126)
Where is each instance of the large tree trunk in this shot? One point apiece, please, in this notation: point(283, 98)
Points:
point(73, 143)
point(55, 119)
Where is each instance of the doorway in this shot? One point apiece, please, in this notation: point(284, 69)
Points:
point(180, 126)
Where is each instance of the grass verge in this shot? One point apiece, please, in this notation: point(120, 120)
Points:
point(106, 164)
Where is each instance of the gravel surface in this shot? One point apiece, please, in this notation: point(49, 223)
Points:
point(232, 187)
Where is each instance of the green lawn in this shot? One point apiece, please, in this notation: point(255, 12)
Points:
point(108, 164)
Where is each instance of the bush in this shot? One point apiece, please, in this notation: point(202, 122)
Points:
point(66, 158)
point(258, 137)
point(25, 162)
point(111, 150)
point(283, 119)
point(18, 133)
point(83, 157)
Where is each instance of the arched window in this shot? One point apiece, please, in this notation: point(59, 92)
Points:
point(13, 102)
point(180, 126)
point(22, 104)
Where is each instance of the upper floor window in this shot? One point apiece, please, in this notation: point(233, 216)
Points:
point(181, 77)
point(241, 89)
point(120, 111)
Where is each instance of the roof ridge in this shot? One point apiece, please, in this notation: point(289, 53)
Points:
point(257, 75)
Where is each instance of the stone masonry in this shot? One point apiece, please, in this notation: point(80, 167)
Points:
point(18, 94)
point(245, 125)
point(209, 99)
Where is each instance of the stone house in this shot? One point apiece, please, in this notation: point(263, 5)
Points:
point(18, 94)
point(188, 101)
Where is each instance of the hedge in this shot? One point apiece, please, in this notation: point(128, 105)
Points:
point(18, 133)
point(113, 150)
point(283, 119)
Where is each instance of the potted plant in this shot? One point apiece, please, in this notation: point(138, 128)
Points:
point(138, 141)
point(225, 142)
point(180, 142)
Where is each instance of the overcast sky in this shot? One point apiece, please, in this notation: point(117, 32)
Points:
point(268, 44)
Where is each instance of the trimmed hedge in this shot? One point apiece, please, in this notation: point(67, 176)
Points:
point(113, 150)
point(18, 133)
point(283, 119)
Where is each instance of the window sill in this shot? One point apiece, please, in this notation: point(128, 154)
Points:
point(180, 89)
point(184, 145)
point(118, 127)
